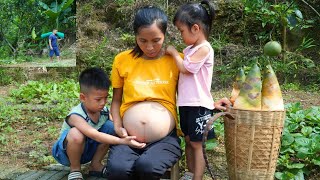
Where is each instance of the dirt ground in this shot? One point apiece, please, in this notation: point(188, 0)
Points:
point(48, 63)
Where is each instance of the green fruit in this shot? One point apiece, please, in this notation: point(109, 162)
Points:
point(272, 48)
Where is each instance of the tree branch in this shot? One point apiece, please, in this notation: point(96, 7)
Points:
point(311, 7)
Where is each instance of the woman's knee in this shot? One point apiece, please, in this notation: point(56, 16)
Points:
point(75, 136)
point(146, 169)
point(118, 170)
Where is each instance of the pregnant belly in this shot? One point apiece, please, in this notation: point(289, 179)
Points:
point(148, 121)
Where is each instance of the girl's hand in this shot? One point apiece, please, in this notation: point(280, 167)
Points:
point(171, 50)
point(222, 104)
point(130, 140)
point(122, 132)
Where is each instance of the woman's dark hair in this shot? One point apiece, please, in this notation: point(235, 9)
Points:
point(145, 17)
point(93, 78)
point(196, 13)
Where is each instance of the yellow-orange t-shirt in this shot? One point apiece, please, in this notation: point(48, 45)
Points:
point(145, 80)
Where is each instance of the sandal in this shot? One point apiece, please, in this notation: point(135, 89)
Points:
point(75, 175)
point(101, 174)
point(187, 176)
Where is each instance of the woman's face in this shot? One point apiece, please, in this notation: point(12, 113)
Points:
point(150, 40)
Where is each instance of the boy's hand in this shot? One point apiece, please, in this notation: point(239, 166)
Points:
point(51, 47)
point(171, 50)
point(222, 104)
point(130, 140)
point(122, 132)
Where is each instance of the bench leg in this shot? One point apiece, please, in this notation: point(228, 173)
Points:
point(174, 173)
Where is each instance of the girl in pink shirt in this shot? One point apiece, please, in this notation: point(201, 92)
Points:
point(194, 98)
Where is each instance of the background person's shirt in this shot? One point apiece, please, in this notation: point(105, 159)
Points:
point(53, 39)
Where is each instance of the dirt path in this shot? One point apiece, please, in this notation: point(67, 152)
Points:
point(54, 63)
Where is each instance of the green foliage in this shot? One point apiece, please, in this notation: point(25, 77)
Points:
point(54, 10)
point(52, 100)
point(46, 92)
point(280, 15)
point(4, 78)
point(128, 39)
point(124, 2)
point(100, 56)
point(306, 44)
point(300, 144)
point(8, 116)
point(21, 24)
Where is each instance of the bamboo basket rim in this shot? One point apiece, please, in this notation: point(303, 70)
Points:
point(245, 110)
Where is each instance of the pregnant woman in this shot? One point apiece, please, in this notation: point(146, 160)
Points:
point(144, 84)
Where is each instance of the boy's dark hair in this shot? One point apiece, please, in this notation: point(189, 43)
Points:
point(196, 13)
point(93, 78)
point(145, 17)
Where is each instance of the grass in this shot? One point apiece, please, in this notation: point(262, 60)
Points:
point(68, 59)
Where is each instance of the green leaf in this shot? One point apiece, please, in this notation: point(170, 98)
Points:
point(299, 175)
point(52, 14)
point(65, 4)
point(297, 135)
point(316, 161)
point(295, 166)
point(316, 130)
point(287, 139)
point(210, 144)
point(44, 5)
point(286, 150)
point(302, 141)
point(315, 138)
point(292, 127)
point(33, 33)
point(279, 175)
point(302, 155)
point(306, 130)
point(298, 13)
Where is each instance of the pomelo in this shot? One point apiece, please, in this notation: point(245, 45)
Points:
point(272, 48)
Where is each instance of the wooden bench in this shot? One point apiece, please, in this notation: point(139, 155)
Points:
point(172, 173)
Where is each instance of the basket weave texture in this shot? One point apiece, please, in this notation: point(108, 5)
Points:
point(252, 142)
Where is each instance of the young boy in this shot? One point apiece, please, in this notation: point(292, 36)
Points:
point(87, 130)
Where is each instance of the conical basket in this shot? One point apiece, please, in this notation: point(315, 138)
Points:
point(252, 142)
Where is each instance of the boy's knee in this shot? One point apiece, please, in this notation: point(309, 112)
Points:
point(75, 136)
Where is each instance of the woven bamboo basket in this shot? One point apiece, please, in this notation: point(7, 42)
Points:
point(252, 142)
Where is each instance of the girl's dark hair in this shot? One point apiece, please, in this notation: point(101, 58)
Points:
point(145, 17)
point(196, 13)
point(93, 78)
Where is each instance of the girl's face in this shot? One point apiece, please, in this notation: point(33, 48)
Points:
point(150, 40)
point(188, 35)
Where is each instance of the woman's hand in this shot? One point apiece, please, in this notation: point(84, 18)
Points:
point(130, 140)
point(222, 104)
point(122, 132)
